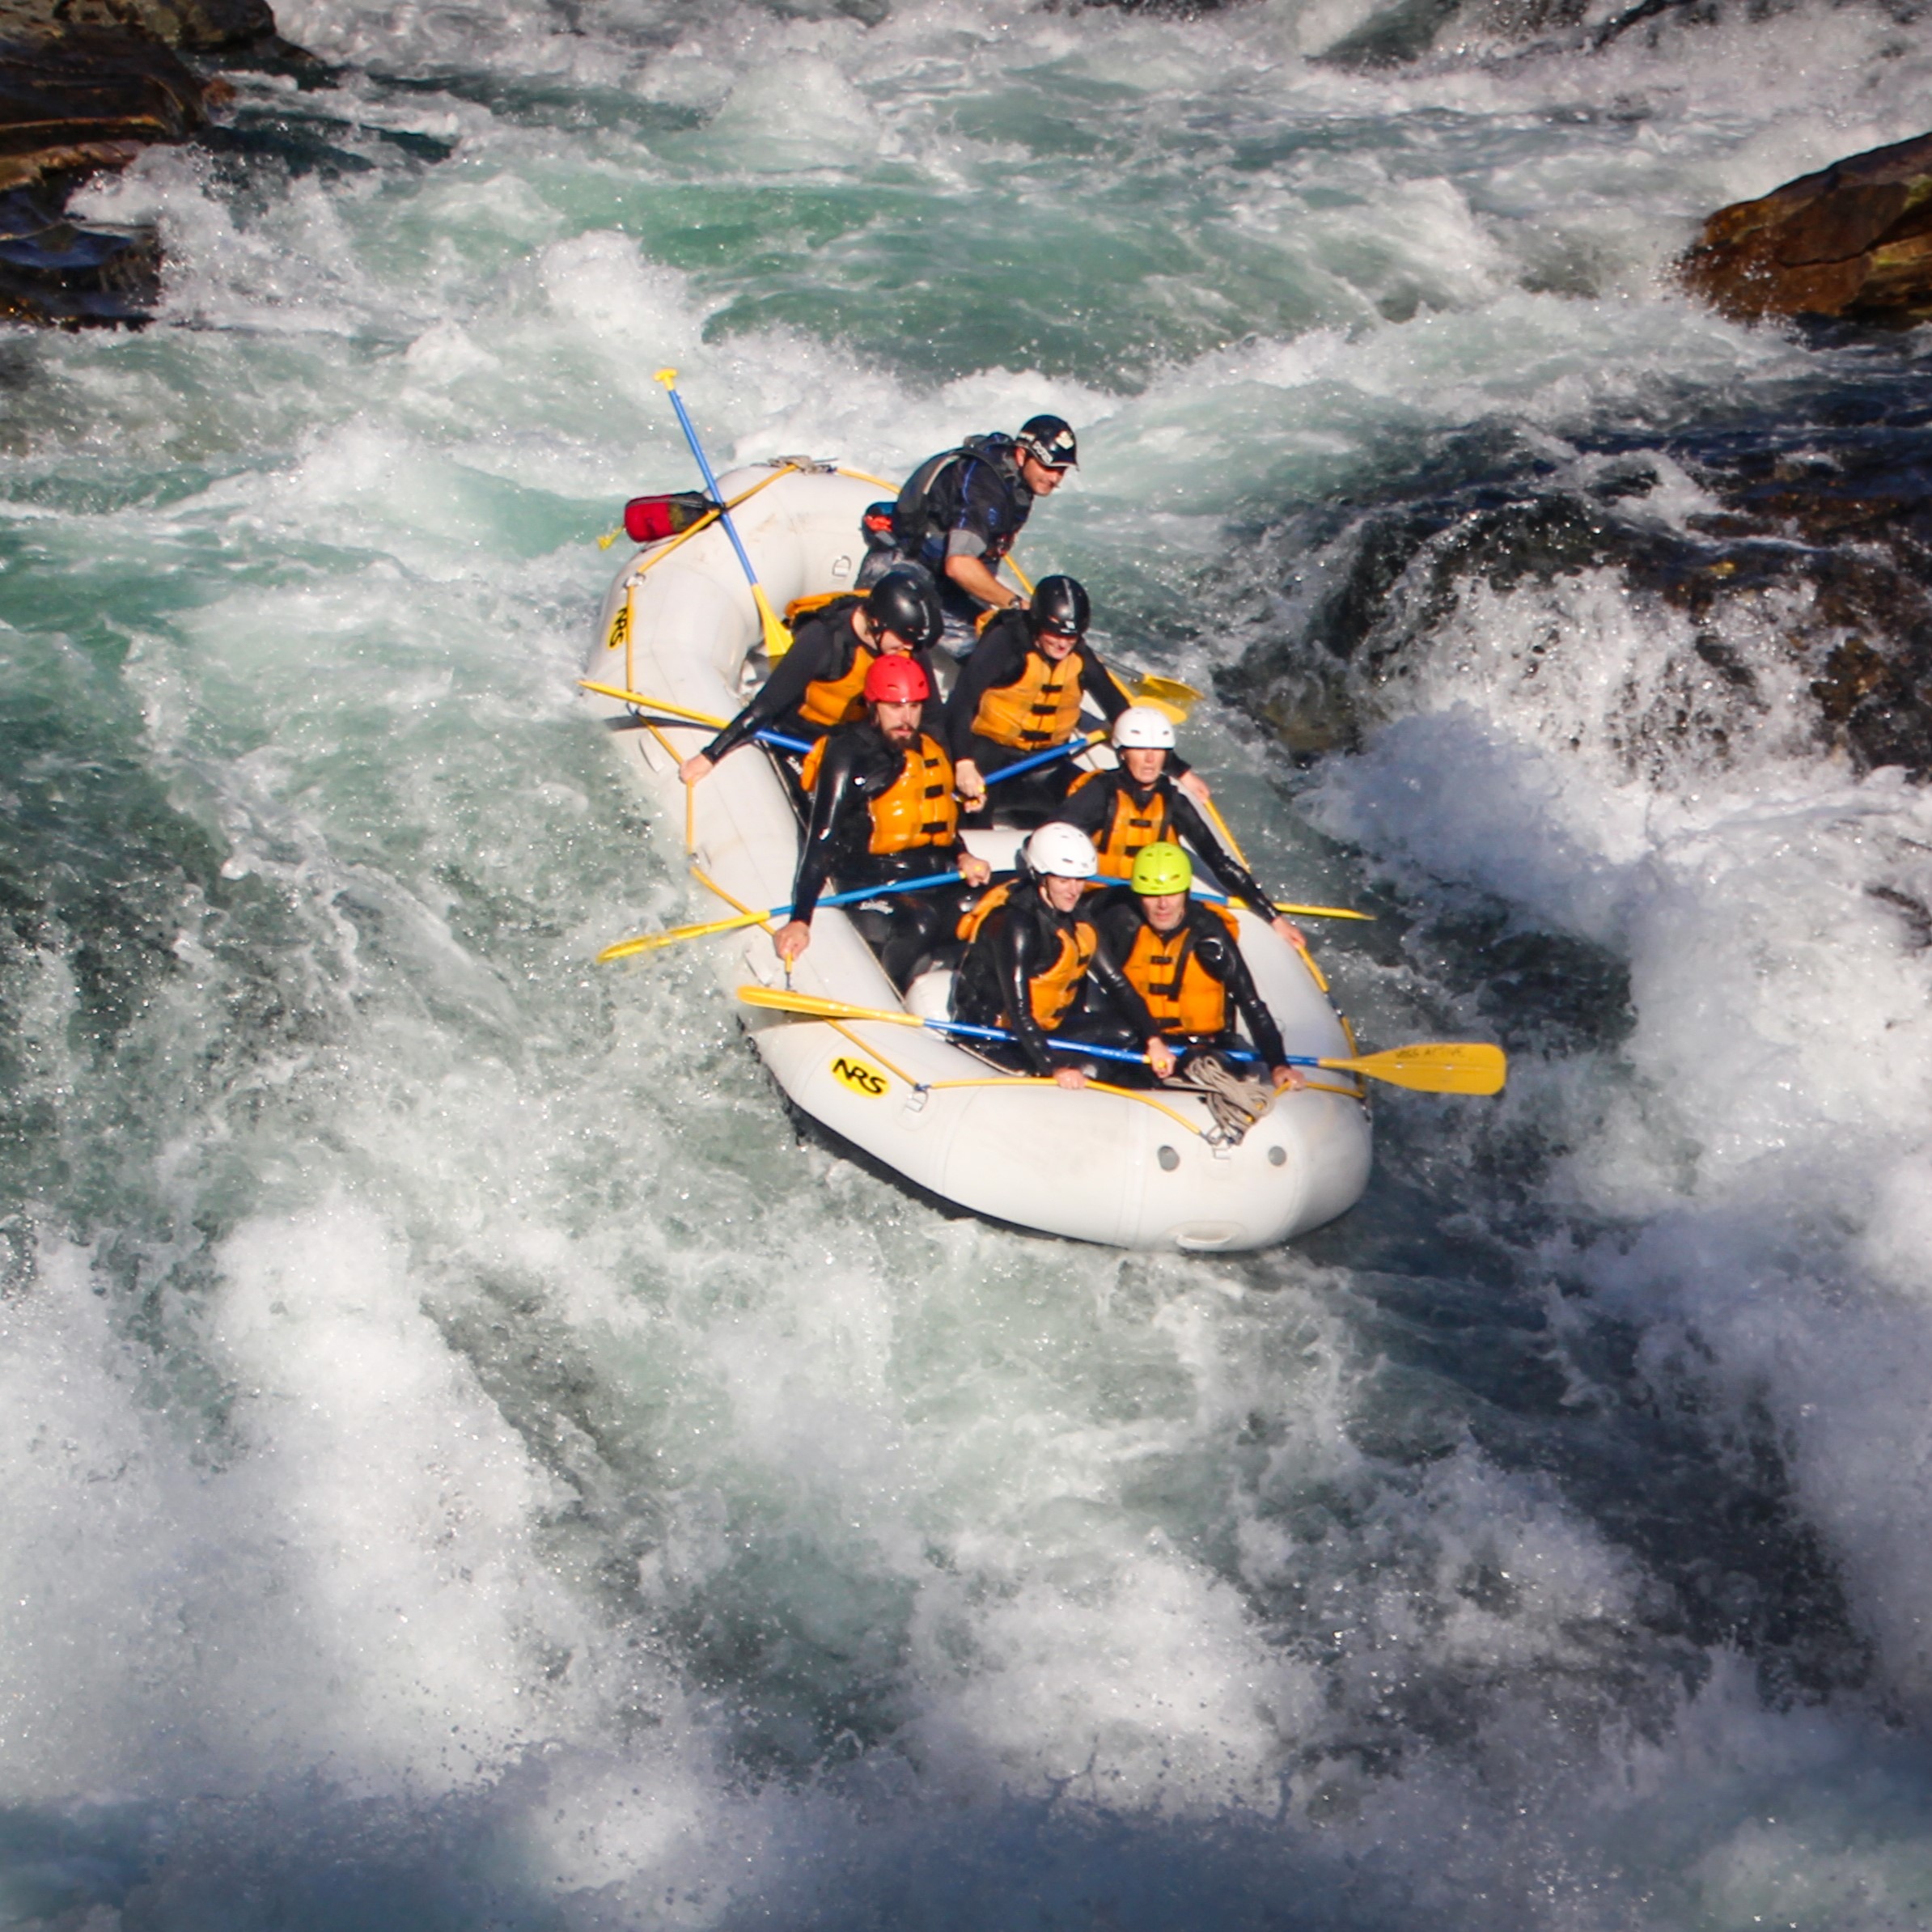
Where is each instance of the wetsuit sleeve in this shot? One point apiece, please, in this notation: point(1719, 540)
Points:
point(1023, 953)
point(1118, 921)
point(998, 659)
point(810, 657)
point(1104, 970)
point(1097, 683)
point(836, 796)
point(1221, 957)
point(1194, 831)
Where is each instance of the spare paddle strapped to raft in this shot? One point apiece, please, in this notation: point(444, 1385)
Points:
point(1145, 1167)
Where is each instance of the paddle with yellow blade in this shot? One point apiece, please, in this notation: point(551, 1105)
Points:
point(777, 639)
point(1433, 1067)
point(649, 942)
point(813, 1007)
point(699, 717)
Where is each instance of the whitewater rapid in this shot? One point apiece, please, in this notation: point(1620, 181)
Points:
point(467, 1460)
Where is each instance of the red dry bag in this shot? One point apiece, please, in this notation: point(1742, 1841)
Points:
point(651, 520)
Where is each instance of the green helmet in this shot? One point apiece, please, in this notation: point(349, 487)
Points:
point(1162, 868)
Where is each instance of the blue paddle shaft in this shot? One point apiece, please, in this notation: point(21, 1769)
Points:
point(1039, 758)
point(897, 885)
point(704, 467)
point(1066, 1046)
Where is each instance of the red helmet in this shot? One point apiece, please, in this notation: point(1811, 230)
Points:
point(897, 680)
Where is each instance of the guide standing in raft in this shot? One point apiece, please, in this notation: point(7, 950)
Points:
point(959, 512)
point(882, 810)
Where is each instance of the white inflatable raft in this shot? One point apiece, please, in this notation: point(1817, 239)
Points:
point(1138, 1171)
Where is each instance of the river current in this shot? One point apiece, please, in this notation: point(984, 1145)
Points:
point(466, 1461)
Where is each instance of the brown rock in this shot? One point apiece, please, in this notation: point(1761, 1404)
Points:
point(1854, 240)
point(90, 87)
point(191, 26)
point(85, 84)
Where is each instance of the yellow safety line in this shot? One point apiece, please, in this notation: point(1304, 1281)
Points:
point(630, 634)
point(737, 905)
point(1321, 979)
point(838, 1026)
point(863, 1046)
point(710, 517)
point(1126, 1093)
point(1321, 1087)
point(1221, 826)
point(877, 482)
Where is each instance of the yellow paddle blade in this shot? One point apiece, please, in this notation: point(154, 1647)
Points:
point(1166, 694)
point(777, 639)
point(652, 704)
point(1435, 1067)
point(1320, 912)
point(649, 942)
point(1227, 836)
point(816, 1008)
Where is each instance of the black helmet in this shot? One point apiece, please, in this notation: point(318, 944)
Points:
point(1059, 604)
point(1048, 439)
point(905, 602)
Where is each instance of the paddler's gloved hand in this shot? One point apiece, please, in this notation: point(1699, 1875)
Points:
point(792, 939)
point(975, 871)
point(1160, 1056)
point(1194, 786)
point(968, 784)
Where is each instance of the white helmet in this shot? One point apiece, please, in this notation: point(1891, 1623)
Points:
point(1063, 852)
point(1141, 728)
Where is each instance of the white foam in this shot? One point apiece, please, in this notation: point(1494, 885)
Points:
point(560, 1391)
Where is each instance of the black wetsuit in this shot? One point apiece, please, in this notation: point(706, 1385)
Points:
point(1019, 941)
point(1119, 920)
point(1091, 807)
point(822, 650)
point(904, 928)
point(999, 660)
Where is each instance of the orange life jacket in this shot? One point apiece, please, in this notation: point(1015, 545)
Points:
point(1039, 709)
point(1129, 829)
point(1051, 993)
point(829, 701)
point(801, 607)
point(1181, 993)
point(918, 808)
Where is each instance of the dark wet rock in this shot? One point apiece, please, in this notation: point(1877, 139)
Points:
point(85, 84)
point(52, 270)
point(1398, 34)
point(1811, 572)
point(1852, 240)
